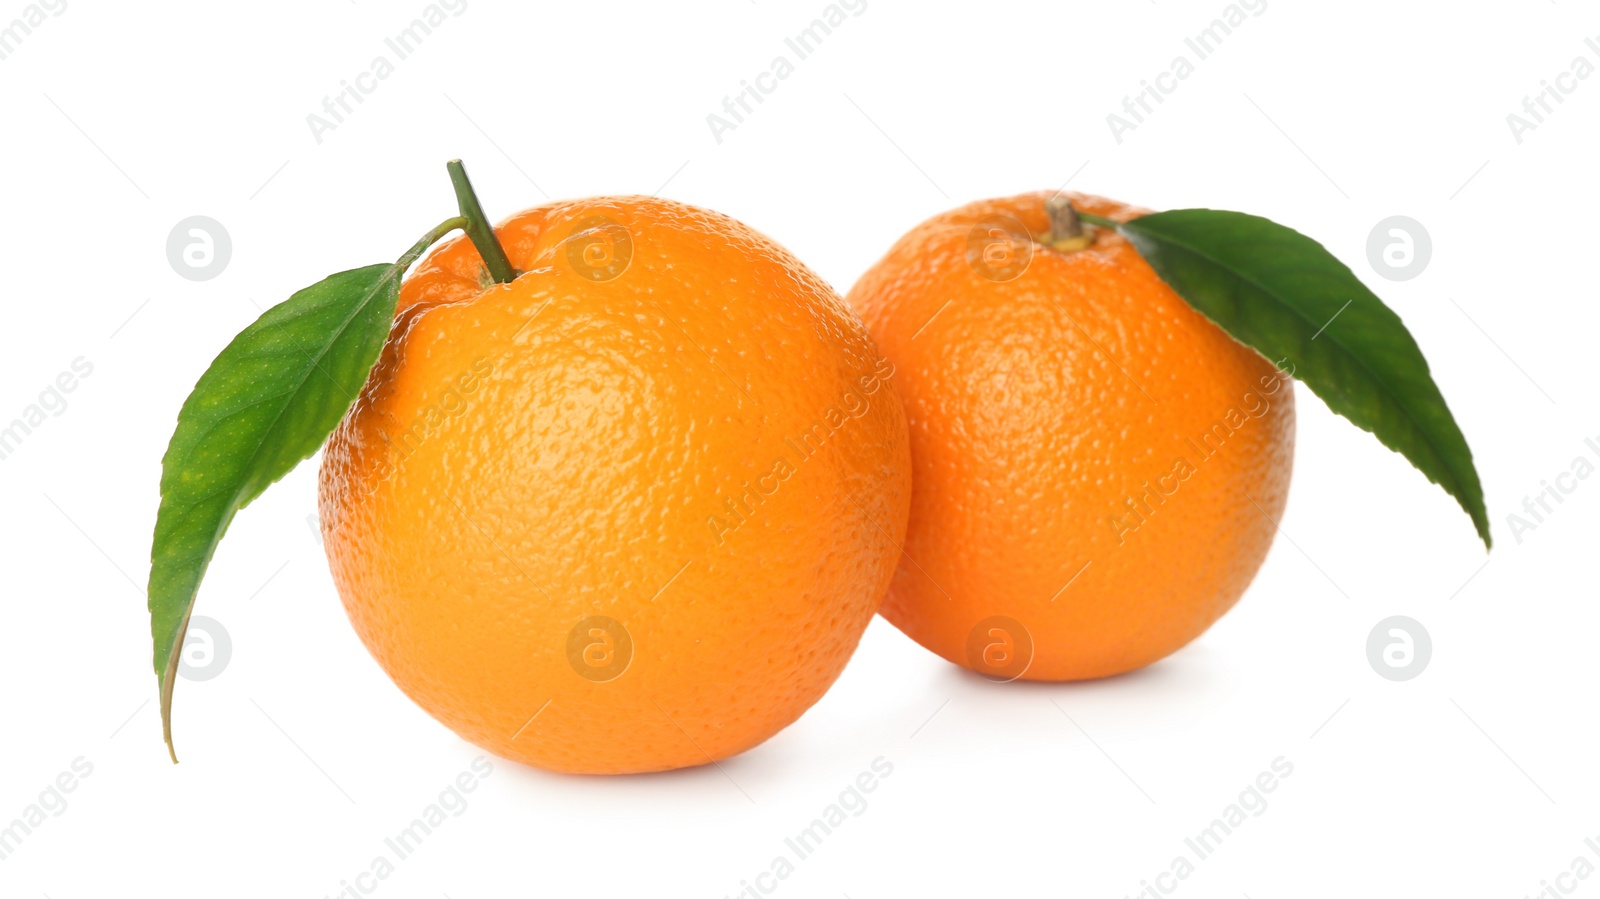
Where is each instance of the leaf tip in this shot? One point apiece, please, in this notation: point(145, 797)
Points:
point(168, 681)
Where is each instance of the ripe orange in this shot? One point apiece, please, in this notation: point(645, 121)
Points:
point(1098, 469)
point(629, 512)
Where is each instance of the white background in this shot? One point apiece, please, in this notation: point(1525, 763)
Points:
point(1476, 778)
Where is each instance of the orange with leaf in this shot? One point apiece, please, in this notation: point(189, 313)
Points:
point(1102, 420)
point(624, 486)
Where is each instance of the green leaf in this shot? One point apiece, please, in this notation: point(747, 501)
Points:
point(1285, 295)
point(267, 402)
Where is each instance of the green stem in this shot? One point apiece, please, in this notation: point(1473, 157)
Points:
point(1102, 221)
point(477, 226)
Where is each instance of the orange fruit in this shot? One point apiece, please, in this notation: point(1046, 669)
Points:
point(630, 511)
point(1097, 467)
